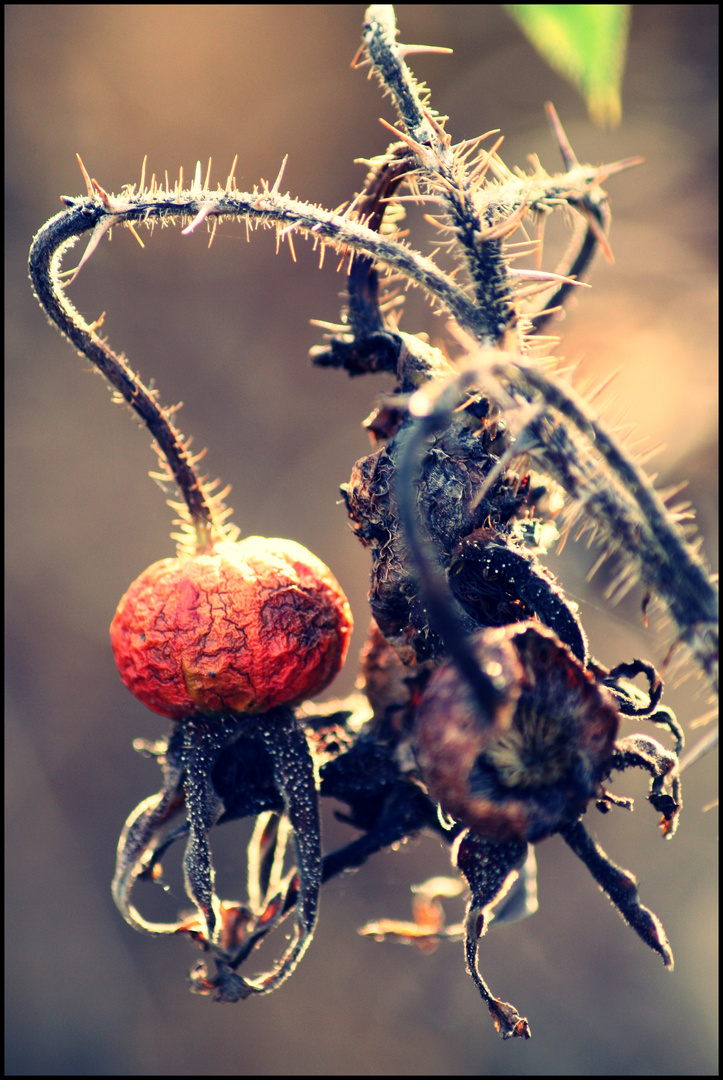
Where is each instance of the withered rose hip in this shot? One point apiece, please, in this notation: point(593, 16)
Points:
point(533, 766)
point(254, 625)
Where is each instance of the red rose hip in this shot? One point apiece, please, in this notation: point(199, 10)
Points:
point(251, 626)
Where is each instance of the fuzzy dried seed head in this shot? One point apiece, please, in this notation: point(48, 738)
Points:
point(252, 626)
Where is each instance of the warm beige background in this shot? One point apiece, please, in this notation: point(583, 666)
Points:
point(227, 331)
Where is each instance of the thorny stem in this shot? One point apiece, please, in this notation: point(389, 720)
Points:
point(433, 148)
point(479, 218)
point(588, 240)
point(620, 500)
point(576, 261)
point(267, 207)
point(668, 564)
point(379, 34)
point(55, 237)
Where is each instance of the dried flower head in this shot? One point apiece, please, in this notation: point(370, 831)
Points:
point(535, 763)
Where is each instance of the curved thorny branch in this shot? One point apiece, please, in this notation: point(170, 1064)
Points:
point(610, 491)
point(204, 513)
point(484, 717)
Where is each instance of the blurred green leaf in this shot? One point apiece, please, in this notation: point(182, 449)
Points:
point(586, 44)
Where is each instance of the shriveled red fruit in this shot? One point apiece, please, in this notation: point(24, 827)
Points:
point(253, 625)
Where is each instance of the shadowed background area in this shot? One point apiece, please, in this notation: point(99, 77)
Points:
point(227, 332)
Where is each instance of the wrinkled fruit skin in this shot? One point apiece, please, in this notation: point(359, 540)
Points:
point(254, 625)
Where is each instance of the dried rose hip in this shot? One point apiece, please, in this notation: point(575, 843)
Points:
point(251, 626)
point(532, 767)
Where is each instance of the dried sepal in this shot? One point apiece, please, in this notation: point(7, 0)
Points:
point(280, 775)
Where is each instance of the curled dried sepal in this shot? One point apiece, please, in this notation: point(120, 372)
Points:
point(642, 752)
point(427, 928)
point(622, 888)
point(144, 834)
point(487, 866)
point(231, 931)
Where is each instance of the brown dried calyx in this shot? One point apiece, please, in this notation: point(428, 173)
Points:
point(452, 473)
point(533, 764)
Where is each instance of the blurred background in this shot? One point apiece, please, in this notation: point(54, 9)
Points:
point(227, 331)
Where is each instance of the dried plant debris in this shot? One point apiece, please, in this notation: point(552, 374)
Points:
point(482, 715)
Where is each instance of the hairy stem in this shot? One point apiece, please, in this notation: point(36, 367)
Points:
point(267, 208)
point(618, 498)
point(55, 237)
